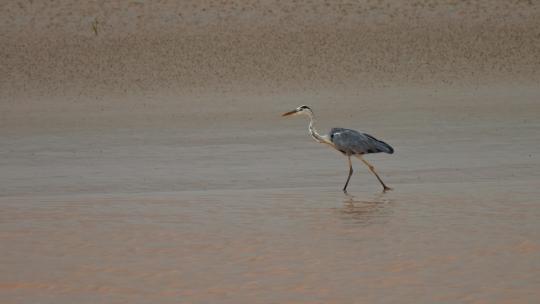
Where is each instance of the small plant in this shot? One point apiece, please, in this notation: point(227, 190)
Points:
point(95, 24)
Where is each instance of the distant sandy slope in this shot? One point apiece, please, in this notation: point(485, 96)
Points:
point(52, 49)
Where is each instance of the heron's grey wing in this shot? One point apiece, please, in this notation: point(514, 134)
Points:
point(353, 142)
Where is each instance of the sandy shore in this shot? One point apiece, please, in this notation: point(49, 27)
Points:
point(144, 158)
point(68, 50)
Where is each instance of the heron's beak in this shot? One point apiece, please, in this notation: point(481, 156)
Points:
point(289, 113)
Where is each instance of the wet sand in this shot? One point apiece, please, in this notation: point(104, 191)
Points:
point(150, 163)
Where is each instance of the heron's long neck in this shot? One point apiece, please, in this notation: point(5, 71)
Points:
point(314, 133)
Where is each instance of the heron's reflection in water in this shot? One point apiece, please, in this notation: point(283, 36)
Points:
point(366, 210)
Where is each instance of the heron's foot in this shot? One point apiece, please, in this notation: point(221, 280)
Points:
point(386, 188)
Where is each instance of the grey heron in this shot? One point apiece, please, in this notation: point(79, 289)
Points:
point(347, 141)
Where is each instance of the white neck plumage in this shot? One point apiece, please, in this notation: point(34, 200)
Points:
point(323, 139)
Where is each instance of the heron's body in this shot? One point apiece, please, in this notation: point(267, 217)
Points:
point(347, 141)
point(352, 142)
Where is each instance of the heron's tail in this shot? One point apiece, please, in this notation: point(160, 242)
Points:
point(384, 147)
point(380, 146)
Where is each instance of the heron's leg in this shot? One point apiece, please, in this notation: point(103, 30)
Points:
point(372, 169)
point(350, 173)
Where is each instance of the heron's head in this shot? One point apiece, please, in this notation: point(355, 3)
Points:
point(301, 110)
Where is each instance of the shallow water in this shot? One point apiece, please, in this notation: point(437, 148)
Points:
point(240, 211)
point(423, 243)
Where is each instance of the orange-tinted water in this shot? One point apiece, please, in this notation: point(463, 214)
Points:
point(424, 243)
